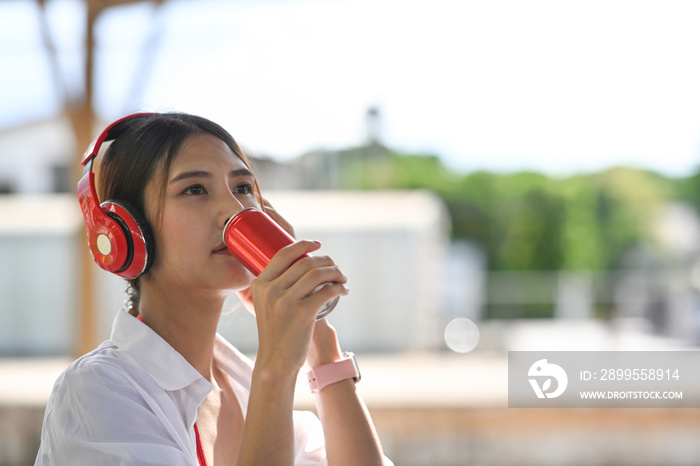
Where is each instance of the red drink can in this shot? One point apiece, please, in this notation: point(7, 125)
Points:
point(253, 237)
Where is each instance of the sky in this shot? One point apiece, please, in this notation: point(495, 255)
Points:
point(555, 86)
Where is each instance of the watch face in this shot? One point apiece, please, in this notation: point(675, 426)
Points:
point(350, 355)
point(357, 368)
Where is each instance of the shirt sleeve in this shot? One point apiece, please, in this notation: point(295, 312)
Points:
point(309, 441)
point(96, 415)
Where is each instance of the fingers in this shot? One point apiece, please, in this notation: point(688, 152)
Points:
point(287, 256)
point(326, 293)
point(310, 281)
point(272, 212)
point(312, 273)
point(292, 266)
point(246, 298)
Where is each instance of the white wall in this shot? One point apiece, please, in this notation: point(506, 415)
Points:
point(27, 155)
point(38, 269)
point(391, 245)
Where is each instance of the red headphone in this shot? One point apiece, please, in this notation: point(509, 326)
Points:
point(119, 236)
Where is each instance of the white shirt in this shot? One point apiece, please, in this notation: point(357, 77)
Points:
point(134, 400)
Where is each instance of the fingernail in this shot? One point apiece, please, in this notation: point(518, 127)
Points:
point(317, 242)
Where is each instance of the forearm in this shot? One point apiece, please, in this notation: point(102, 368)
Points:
point(268, 436)
point(347, 426)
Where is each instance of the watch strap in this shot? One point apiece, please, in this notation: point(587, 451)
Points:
point(327, 374)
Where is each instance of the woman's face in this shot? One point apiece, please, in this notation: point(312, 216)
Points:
point(207, 184)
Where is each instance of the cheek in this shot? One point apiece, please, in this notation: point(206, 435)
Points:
point(176, 223)
point(177, 239)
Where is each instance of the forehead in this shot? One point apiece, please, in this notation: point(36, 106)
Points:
point(202, 150)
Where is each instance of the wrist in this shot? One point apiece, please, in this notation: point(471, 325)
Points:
point(325, 347)
point(280, 379)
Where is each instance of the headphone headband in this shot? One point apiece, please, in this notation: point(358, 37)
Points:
point(119, 238)
point(94, 147)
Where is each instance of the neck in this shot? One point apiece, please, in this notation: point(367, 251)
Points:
point(186, 320)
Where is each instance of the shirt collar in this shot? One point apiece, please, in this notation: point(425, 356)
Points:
point(162, 363)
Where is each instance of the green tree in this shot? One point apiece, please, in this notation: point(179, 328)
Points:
point(528, 221)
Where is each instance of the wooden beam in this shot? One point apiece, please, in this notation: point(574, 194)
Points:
point(83, 121)
point(81, 115)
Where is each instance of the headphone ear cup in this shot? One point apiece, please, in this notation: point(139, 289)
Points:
point(140, 242)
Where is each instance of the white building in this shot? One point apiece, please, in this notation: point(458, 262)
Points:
point(391, 245)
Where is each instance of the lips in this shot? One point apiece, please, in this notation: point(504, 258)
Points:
point(221, 249)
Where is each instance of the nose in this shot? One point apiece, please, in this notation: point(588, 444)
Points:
point(237, 203)
point(233, 206)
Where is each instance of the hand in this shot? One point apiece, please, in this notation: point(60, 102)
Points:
point(325, 347)
point(286, 304)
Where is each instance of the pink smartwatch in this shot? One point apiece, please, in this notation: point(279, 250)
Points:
point(326, 374)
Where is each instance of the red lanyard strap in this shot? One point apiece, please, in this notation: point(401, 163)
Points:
point(200, 450)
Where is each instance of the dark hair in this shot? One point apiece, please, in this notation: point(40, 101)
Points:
point(146, 143)
point(140, 144)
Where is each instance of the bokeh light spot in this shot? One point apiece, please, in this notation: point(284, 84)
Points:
point(461, 335)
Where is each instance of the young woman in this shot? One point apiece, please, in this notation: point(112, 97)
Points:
point(165, 388)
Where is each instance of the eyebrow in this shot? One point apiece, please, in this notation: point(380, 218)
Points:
point(205, 174)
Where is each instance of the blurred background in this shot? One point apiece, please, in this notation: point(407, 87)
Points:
point(491, 176)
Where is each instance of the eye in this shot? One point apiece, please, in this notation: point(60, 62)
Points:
point(195, 190)
point(243, 188)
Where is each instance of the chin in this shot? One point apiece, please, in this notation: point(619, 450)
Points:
point(238, 279)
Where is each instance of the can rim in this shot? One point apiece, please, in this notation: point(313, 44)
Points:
point(223, 234)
